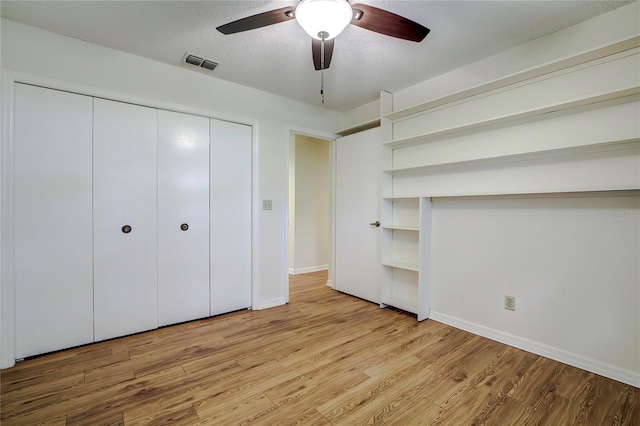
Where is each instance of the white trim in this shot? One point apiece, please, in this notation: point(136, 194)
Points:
point(308, 270)
point(333, 158)
point(331, 284)
point(7, 284)
point(291, 131)
point(287, 197)
point(607, 370)
point(255, 219)
point(7, 288)
point(272, 303)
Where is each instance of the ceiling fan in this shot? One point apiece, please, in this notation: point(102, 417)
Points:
point(323, 20)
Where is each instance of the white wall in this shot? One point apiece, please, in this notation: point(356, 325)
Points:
point(50, 56)
point(311, 200)
point(571, 261)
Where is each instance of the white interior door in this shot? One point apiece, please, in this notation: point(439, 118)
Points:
point(125, 219)
point(358, 165)
point(53, 242)
point(230, 211)
point(183, 217)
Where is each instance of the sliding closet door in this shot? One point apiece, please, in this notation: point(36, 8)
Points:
point(183, 217)
point(52, 210)
point(125, 219)
point(230, 216)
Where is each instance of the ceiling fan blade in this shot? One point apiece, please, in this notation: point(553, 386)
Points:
point(260, 20)
point(316, 50)
point(387, 23)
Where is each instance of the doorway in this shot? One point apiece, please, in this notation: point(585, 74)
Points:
point(311, 198)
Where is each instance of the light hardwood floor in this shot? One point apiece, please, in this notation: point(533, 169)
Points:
point(325, 358)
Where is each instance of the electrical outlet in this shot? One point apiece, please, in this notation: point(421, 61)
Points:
point(510, 303)
point(266, 205)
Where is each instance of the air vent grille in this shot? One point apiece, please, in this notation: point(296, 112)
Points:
point(209, 65)
point(194, 60)
point(204, 64)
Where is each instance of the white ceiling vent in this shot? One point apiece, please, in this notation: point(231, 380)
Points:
point(203, 64)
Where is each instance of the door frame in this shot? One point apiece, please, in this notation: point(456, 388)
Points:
point(293, 130)
point(7, 95)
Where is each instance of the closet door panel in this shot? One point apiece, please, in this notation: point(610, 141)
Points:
point(53, 264)
point(183, 217)
point(230, 216)
point(125, 199)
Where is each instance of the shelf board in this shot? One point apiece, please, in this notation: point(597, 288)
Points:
point(609, 99)
point(523, 156)
point(369, 124)
point(617, 192)
point(519, 77)
point(401, 227)
point(391, 198)
point(402, 265)
point(405, 305)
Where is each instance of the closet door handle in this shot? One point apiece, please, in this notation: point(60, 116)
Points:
point(376, 224)
point(126, 229)
point(184, 226)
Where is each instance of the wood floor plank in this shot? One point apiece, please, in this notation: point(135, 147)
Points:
point(152, 413)
point(28, 404)
point(108, 418)
point(417, 412)
point(386, 399)
point(287, 417)
point(323, 359)
point(299, 396)
point(110, 374)
point(235, 411)
point(370, 390)
point(483, 394)
point(247, 382)
point(601, 401)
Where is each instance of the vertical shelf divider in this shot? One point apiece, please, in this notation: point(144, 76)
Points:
point(386, 190)
point(424, 275)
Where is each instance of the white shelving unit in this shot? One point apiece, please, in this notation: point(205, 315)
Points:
point(405, 245)
point(405, 241)
point(406, 217)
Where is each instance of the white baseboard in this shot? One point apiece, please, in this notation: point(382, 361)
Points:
point(308, 270)
point(271, 303)
point(331, 284)
point(607, 370)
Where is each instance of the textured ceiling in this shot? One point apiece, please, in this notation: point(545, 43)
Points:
point(278, 58)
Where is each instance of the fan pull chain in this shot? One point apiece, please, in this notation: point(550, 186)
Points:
point(322, 70)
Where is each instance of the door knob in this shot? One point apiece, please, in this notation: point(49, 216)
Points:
point(184, 226)
point(126, 229)
point(376, 223)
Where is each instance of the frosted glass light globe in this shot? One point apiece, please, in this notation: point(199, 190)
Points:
point(324, 18)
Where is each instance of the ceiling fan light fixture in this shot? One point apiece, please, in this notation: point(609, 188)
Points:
point(323, 19)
